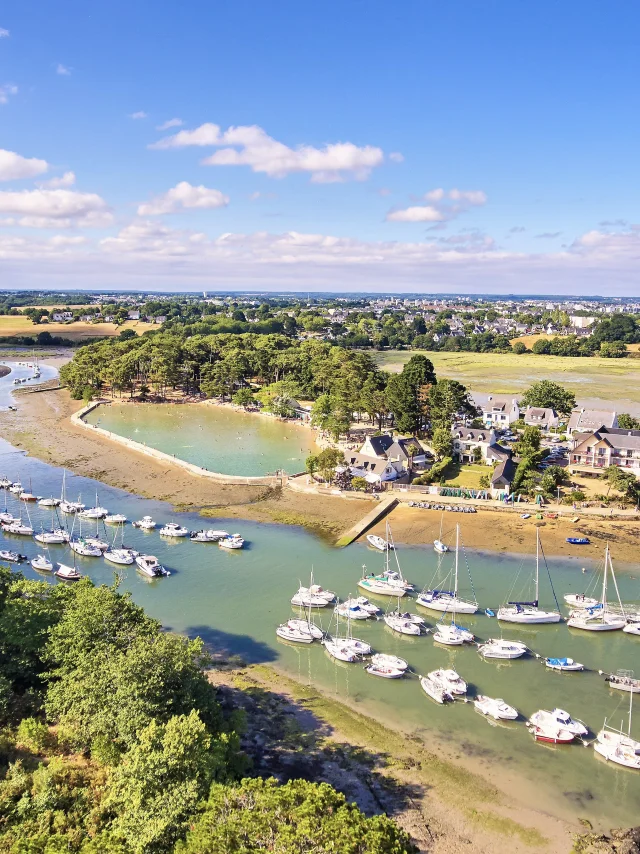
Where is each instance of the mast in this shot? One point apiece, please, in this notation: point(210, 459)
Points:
point(537, 565)
point(604, 580)
point(455, 587)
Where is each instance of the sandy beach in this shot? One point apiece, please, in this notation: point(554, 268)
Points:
point(43, 428)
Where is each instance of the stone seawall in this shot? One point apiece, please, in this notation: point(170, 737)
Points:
point(78, 419)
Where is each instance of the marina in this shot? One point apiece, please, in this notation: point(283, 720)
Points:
point(235, 599)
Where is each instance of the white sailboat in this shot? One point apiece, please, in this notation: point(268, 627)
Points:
point(69, 507)
point(448, 600)
point(385, 660)
point(451, 634)
point(438, 545)
point(618, 746)
point(293, 634)
point(530, 612)
point(600, 618)
point(389, 582)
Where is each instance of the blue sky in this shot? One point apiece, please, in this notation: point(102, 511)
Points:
point(487, 146)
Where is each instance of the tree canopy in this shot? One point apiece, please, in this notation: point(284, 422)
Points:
point(549, 395)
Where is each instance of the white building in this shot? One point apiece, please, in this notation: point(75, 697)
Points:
point(538, 416)
point(500, 413)
point(588, 420)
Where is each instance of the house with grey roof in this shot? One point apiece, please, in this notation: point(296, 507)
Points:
point(608, 446)
point(503, 475)
point(377, 446)
point(540, 417)
point(500, 413)
point(467, 439)
point(588, 420)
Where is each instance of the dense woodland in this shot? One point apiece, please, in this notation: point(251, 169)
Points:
point(113, 741)
point(274, 369)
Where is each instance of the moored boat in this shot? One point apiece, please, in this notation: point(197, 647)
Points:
point(149, 565)
point(172, 529)
point(450, 680)
point(67, 573)
point(600, 618)
point(559, 719)
point(495, 708)
point(379, 543)
point(435, 690)
point(145, 524)
point(563, 664)
point(42, 563)
point(500, 648)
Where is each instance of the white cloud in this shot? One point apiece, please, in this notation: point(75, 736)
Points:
point(444, 205)
point(184, 196)
point(4, 34)
point(416, 213)
point(252, 146)
point(13, 166)
point(55, 208)
point(66, 180)
point(6, 90)
point(171, 123)
point(62, 70)
point(139, 115)
point(396, 157)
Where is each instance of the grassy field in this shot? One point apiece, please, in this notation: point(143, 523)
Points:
point(467, 475)
point(616, 381)
point(13, 325)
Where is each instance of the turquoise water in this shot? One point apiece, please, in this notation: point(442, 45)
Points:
point(218, 438)
point(234, 600)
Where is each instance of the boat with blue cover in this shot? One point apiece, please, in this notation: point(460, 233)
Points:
point(578, 541)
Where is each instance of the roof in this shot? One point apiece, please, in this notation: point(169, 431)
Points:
point(586, 420)
point(497, 452)
point(403, 446)
point(540, 413)
point(504, 473)
point(364, 461)
point(624, 440)
point(381, 444)
point(472, 434)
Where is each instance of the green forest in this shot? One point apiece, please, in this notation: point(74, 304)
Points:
point(113, 740)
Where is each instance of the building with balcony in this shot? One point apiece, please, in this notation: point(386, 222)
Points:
point(607, 446)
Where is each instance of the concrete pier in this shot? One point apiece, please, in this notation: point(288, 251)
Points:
point(379, 511)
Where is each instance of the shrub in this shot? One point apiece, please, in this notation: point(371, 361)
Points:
point(33, 734)
point(359, 484)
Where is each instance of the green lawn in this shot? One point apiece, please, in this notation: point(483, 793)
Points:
point(616, 381)
point(466, 475)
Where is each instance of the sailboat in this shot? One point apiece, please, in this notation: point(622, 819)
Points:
point(95, 512)
point(345, 648)
point(600, 618)
point(68, 507)
point(389, 582)
point(438, 545)
point(529, 612)
point(448, 600)
point(452, 634)
point(120, 555)
point(618, 746)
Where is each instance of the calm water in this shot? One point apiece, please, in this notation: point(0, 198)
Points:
point(235, 600)
point(20, 372)
point(215, 437)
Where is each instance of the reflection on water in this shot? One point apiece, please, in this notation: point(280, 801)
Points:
point(234, 600)
point(215, 437)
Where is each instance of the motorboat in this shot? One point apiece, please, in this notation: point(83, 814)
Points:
point(580, 601)
point(578, 541)
point(600, 618)
point(203, 537)
point(632, 629)
point(308, 627)
point(67, 573)
point(623, 680)
point(5, 483)
point(445, 600)
point(172, 529)
point(304, 599)
point(6, 518)
point(115, 519)
point(145, 524)
point(71, 507)
point(563, 664)
point(530, 612)
point(288, 633)
point(150, 566)
point(550, 733)
point(439, 546)
point(392, 661)
point(450, 680)
point(402, 625)
point(94, 513)
point(339, 651)
point(235, 541)
point(495, 708)
point(352, 610)
point(451, 634)
point(362, 604)
point(42, 563)
point(379, 543)
point(558, 718)
point(54, 537)
point(82, 547)
point(384, 671)
point(12, 557)
point(120, 556)
point(16, 488)
point(49, 502)
point(500, 648)
point(18, 528)
point(435, 690)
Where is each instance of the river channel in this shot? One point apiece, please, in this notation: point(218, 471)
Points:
point(234, 601)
